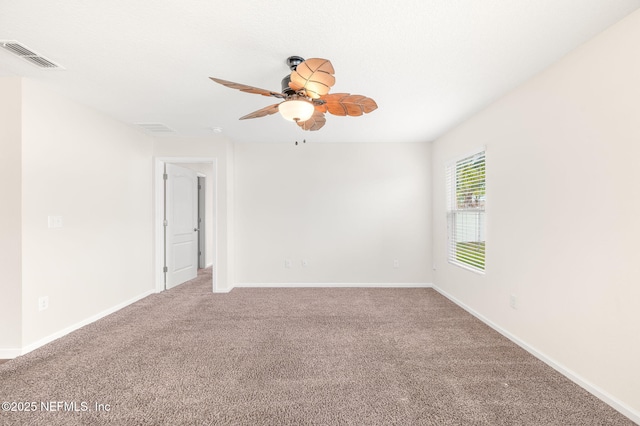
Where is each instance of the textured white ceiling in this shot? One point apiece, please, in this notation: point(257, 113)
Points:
point(429, 64)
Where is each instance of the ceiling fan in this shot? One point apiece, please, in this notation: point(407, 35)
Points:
point(305, 94)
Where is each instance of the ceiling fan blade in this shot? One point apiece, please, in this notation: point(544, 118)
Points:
point(248, 89)
point(314, 76)
point(316, 121)
point(271, 109)
point(347, 104)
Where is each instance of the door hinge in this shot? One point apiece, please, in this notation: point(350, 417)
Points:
point(165, 223)
point(165, 269)
point(165, 176)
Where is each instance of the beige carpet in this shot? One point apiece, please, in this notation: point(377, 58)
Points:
point(292, 357)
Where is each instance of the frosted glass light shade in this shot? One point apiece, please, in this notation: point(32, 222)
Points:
point(296, 110)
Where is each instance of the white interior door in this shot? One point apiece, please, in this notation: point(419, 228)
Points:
point(181, 225)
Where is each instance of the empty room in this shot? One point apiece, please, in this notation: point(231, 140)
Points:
point(320, 213)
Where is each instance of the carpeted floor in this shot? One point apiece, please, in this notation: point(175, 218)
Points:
point(334, 356)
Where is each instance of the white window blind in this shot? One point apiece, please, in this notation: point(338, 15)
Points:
point(465, 214)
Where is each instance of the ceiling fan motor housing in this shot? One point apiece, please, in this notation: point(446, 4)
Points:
point(292, 62)
point(286, 90)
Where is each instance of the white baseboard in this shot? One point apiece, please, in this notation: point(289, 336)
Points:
point(50, 338)
point(571, 375)
point(10, 353)
point(333, 285)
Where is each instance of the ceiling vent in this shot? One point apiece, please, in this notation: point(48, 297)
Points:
point(155, 127)
point(28, 54)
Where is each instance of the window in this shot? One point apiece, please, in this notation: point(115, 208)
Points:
point(465, 211)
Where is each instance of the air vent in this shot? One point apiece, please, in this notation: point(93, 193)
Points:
point(155, 127)
point(28, 54)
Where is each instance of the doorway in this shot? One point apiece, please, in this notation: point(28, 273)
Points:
point(202, 229)
point(202, 223)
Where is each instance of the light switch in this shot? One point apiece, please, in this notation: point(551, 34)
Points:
point(55, 221)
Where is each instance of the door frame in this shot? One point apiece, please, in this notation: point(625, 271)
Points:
point(159, 215)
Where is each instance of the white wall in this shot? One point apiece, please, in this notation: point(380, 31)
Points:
point(221, 149)
point(10, 217)
point(349, 209)
point(97, 174)
point(563, 232)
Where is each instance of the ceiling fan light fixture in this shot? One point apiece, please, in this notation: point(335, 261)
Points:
point(296, 110)
point(305, 95)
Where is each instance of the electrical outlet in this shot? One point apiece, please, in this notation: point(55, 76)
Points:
point(396, 263)
point(513, 301)
point(287, 263)
point(43, 303)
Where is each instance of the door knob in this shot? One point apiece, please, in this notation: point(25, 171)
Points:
point(195, 229)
